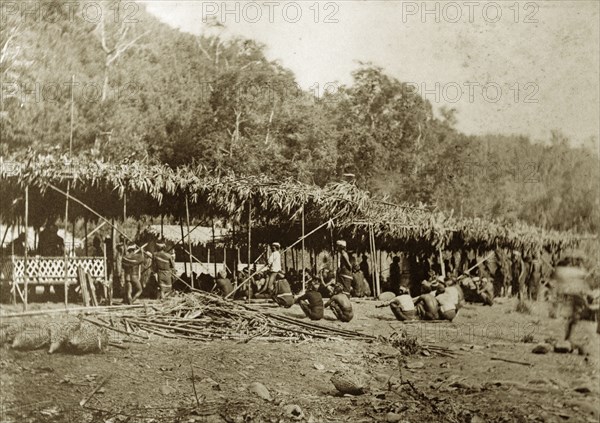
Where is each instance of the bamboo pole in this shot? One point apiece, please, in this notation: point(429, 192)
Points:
point(114, 270)
point(162, 220)
point(12, 253)
point(124, 206)
point(249, 248)
point(187, 218)
point(303, 266)
point(214, 245)
point(85, 233)
point(66, 226)
point(442, 264)
point(182, 237)
point(26, 280)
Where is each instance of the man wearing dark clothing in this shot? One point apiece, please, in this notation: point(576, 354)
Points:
point(345, 270)
point(282, 293)
point(395, 275)
point(131, 262)
point(164, 266)
point(51, 244)
point(311, 304)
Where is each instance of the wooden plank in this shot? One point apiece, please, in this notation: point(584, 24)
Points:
point(91, 288)
point(83, 285)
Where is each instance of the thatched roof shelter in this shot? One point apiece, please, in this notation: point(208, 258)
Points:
point(156, 189)
point(199, 235)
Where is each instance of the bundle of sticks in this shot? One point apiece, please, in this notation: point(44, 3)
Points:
point(202, 316)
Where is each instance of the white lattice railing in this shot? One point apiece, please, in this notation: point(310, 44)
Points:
point(50, 270)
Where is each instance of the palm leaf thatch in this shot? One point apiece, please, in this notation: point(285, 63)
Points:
point(156, 189)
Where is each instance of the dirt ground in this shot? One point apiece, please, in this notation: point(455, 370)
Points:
point(152, 381)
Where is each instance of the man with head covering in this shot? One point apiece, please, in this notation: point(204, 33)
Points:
point(130, 263)
point(340, 304)
point(344, 276)
point(164, 266)
point(274, 264)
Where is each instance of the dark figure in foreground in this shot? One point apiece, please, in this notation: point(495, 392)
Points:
point(340, 305)
point(311, 303)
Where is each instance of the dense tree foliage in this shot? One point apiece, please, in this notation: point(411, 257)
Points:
point(147, 91)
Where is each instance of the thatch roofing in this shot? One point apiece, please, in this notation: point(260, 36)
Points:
point(199, 235)
point(156, 189)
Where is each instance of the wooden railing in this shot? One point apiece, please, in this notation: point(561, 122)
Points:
point(50, 270)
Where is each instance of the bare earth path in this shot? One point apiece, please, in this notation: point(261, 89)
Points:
point(152, 381)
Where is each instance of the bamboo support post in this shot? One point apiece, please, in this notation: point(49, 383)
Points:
point(85, 234)
point(183, 237)
point(25, 273)
point(214, 245)
point(249, 247)
point(189, 240)
point(66, 254)
point(12, 253)
point(442, 264)
point(303, 265)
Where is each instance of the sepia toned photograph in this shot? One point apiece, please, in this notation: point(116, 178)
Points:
point(303, 211)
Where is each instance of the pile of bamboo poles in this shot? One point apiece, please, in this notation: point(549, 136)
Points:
point(204, 317)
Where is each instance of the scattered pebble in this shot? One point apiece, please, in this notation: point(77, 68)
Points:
point(260, 390)
point(563, 347)
point(542, 348)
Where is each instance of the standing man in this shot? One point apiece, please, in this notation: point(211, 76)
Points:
point(345, 269)
point(131, 262)
point(164, 266)
point(274, 263)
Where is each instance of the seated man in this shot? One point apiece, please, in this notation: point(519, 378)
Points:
point(457, 294)
point(340, 304)
point(259, 288)
point(426, 304)
point(282, 293)
point(403, 306)
point(311, 303)
point(327, 282)
point(447, 303)
point(224, 285)
point(486, 291)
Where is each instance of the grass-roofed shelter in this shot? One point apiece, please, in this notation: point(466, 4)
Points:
point(283, 210)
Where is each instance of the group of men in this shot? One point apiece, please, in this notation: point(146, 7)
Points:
point(163, 265)
point(439, 300)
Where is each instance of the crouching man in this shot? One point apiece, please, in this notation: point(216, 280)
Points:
point(282, 293)
point(426, 305)
point(447, 302)
point(402, 306)
point(340, 305)
point(311, 303)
